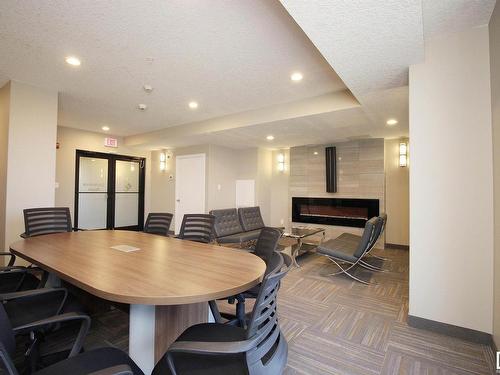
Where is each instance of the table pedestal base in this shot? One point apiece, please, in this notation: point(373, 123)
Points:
point(153, 328)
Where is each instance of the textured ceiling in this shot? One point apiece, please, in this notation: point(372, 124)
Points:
point(235, 59)
point(230, 56)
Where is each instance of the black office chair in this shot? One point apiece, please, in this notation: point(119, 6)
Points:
point(46, 220)
point(210, 348)
point(264, 248)
point(217, 348)
point(197, 227)
point(158, 223)
point(38, 331)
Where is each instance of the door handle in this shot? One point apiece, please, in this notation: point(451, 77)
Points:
point(177, 200)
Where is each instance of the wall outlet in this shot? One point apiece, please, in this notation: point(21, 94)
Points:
point(282, 222)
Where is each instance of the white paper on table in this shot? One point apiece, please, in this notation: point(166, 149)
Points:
point(125, 248)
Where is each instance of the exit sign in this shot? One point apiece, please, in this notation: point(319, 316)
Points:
point(110, 142)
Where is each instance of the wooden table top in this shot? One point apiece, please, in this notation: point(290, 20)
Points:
point(165, 271)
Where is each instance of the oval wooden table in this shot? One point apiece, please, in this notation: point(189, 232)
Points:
point(167, 281)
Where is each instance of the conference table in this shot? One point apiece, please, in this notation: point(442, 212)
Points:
point(166, 281)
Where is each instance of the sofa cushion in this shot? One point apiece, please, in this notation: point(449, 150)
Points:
point(251, 218)
point(226, 222)
point(240, 237)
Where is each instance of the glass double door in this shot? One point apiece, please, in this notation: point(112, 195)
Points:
point(109, 191)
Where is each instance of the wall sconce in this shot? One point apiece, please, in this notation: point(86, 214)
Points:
point(163, 161)
point(281, 162)
point(403, 154)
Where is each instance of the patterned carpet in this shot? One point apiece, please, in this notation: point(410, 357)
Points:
point(337, 326)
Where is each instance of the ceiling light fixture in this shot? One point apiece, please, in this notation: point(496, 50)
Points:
point(296, 77)
point(270, 137)
point(148, 88)
point(105, 128)
point(193, 105)
point(72, 60)
point(315, 152)
point(392, 121)
point(142, 107)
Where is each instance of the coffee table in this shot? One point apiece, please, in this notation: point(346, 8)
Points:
point(300, 234)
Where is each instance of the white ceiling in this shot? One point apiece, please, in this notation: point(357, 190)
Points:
point(235, 59)
point(230, 56)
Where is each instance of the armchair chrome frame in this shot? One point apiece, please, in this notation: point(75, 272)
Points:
point(367, 239)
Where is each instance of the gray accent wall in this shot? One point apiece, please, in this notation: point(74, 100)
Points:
point(360, 173)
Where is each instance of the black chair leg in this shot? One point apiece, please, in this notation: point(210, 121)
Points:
point(240, 311)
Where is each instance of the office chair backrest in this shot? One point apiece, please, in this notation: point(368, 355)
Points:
point(158, 223)
point(197, 227)
point(367, 237)
point(267, 243)
point(270, 352)
point(7, 343)
point(47, 220)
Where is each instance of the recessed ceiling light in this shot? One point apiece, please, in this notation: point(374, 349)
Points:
point(72, 60)
point(392, 121)
point(148, 88)
point(315, 152)
point(296, 77)
point(193, 105)
point(105, 128)
point(270, 137)
point(142, 107)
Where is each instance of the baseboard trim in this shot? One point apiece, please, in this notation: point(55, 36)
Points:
point(397, 246)
point(451, 330)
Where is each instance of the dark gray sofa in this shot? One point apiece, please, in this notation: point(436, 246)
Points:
point(237, 226)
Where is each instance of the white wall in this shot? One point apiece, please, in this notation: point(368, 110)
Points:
point(397, 195)
point(451, 197)
point(494, 32)
point(71, 140)
point(4, 143)
point(31, 154)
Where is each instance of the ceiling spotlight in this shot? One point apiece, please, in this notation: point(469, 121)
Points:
point(193, 105)
point(270, 137)
point(142, 107)
point(105, 128)
point(148, 88)
point(296, 77)
point(72, 60)
point(392, 121)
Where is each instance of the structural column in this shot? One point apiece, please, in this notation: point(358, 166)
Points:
point(28, 130)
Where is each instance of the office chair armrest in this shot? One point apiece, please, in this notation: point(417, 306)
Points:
point(206, 348)
point(14, 268)
point(214, 348)
point(27, 294)
point(63, 318)
point(12, 257)
point(115, 370)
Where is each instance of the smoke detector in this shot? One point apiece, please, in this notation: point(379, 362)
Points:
point(148, 88)
point(142, 107)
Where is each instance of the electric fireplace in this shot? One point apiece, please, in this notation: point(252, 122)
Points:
point(348, 212)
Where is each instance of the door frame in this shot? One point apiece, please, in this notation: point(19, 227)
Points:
point(110, 209)
point(178, 220)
